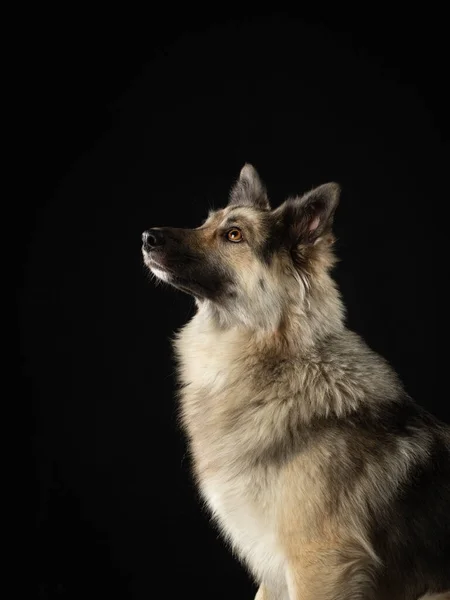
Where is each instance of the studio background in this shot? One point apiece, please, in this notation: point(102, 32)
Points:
point(151, 127)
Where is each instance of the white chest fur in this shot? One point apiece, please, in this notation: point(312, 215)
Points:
point(249, 527)
point(211, 367)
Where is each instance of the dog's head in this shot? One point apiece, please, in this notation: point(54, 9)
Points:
point(247, 260)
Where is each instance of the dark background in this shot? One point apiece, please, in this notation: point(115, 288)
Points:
point(146, 120)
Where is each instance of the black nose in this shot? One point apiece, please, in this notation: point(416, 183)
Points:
point(153, 238)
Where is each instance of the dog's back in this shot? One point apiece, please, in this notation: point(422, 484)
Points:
point(413, 535)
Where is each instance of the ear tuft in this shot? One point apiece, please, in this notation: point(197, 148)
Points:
point(249, 190)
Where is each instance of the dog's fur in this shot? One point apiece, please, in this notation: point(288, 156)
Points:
point(325, 477)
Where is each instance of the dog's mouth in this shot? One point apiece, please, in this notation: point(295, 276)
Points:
point(171, 274)
point(187, 272)
point(151, 261)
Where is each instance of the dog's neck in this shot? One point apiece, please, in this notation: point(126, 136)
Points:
point(301, 325)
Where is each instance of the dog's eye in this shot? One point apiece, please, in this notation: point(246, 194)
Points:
point(234, 235)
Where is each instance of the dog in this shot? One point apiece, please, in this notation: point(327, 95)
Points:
point(326, 479)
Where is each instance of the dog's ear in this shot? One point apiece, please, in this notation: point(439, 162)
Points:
point(249, 190)
point(308, 218)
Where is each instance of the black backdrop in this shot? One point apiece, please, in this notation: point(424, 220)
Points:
point(147, 124)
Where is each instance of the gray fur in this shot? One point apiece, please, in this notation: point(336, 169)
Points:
point(323, 475)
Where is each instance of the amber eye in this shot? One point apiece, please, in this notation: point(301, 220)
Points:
point(234, 235)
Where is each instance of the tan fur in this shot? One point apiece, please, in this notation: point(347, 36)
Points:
point(258, 370)
point(266, 514)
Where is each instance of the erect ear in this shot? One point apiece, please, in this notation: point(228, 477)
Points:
point(249, 190)
point(309, 217)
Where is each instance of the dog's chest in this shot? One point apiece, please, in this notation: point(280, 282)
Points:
point(247, 519)
point(241, 498)
point(212, 368)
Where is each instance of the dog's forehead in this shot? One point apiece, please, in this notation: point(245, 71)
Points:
point(234, 214)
